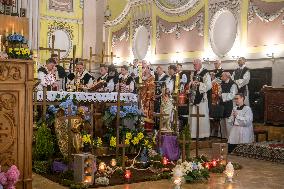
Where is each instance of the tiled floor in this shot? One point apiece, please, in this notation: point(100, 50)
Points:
point(256, 174)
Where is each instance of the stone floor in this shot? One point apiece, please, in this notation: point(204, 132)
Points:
point(256, 174)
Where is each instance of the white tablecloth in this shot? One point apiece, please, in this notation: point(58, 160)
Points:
point(87, 97)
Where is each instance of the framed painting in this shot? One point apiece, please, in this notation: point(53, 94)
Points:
point(61, 5)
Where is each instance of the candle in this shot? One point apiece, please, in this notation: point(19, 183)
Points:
point(113, 162)
point(13, 29)
point(140, 72)
point(7, 32)
point(102, 167)
point(177, 83)
point(127, 174)
point(22, 32)
point(214, 163)
point(165, 161)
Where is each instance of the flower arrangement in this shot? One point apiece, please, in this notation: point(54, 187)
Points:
point(16, 39)
point(19, 53)
point(126, 112)
point(86, 139)
point(10, 178)
point(192, 171)
point(135, 140)
point(97, 142)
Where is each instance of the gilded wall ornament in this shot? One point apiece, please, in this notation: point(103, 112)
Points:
point(63, 36)
point(263, 16)
point(177, 28)
point(122, 36)
point(61, 5)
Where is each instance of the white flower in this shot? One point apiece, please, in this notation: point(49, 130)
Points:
point(200, 166)
point(102, 181)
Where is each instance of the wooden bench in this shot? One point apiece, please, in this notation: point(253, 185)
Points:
point(258, 132)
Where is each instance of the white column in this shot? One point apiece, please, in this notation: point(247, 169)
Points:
point(89, 27)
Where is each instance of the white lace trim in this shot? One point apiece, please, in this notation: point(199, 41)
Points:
point(87, 97)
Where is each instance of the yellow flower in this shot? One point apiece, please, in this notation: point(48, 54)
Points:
point(22, 49)
point(16, 49)
point(146, 142)
point(112, 141)
point(140, 136)
point(87, 139)
point(127, 142)
point(10, 50)
point(128, 136)
point(135, 140)
point(99, 142)
point(149, 146)
point(18, 53)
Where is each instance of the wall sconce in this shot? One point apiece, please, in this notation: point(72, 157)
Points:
point(235, 57)
point(271, 56)
point(207, 60)
point(107, 13)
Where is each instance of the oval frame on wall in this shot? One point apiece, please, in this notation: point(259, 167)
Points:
point(63, 41)
point(141, 42)
point(222, 40)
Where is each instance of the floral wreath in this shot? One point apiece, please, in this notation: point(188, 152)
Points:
point(63, 26)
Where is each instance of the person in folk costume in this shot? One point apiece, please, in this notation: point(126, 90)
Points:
point(81, 77)
point(125, 82)
point(229, 90)
point(147, 97)
point(167, 106)
point(182, 76)
point(241, 76)
point(112, 78)
point(48, 76)
point(133, 71)
point(241, 124)
point(170, 83)
point(218, 70)
point(61, 71)
point(182, 110)
point(160, 80)
point(100, 84)
point(215, 110)
point(202, 85)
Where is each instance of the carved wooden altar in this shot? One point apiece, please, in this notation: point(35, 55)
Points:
point(274, 105)
point(16, 120)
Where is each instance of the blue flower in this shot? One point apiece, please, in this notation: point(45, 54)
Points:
point(52, 109)
point(194, 166)
point(122, 114)
point(113, 110)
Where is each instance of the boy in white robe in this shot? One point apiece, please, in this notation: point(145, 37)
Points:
point(241, 123)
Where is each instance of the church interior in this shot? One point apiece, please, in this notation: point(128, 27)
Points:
point(130, 94)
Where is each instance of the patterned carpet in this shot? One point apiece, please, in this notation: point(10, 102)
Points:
point(270, 151)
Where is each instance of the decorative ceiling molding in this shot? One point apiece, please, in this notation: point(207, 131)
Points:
point(57, 19)
point(147, 22)
point(233, 5)
point(118, 38)
point(197, 23)
point(131, 4)
point(263, 16)
point(178, 9)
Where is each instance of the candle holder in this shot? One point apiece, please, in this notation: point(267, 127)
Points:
point(127, 175)
point(229, 172)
